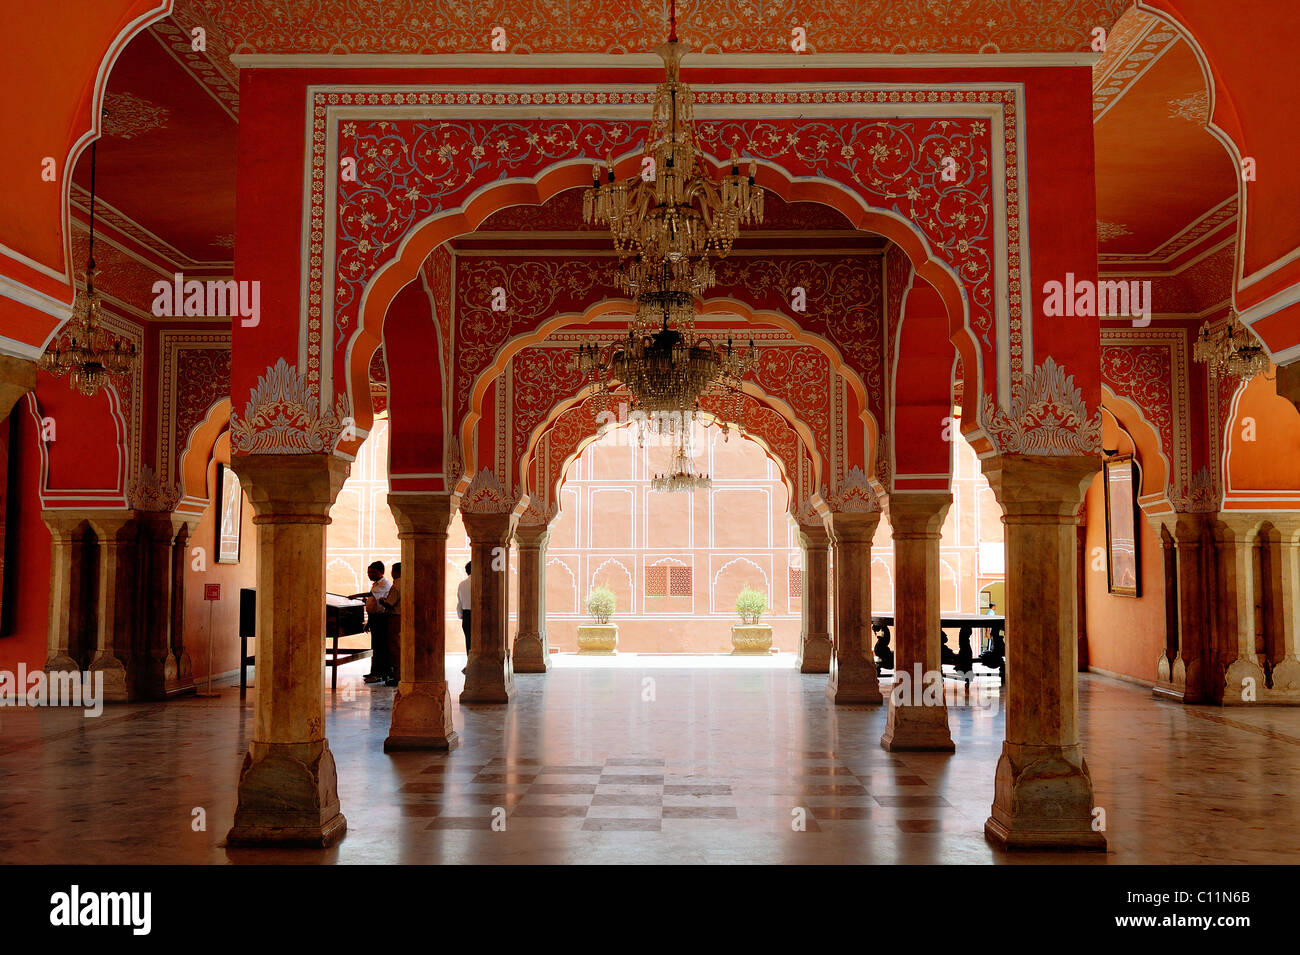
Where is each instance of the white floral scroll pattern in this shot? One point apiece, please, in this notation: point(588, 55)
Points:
point(486, 495)
point(148, 493)
point(283, 416)
point(1048, 418)
point(127, 116)
point(854, 495)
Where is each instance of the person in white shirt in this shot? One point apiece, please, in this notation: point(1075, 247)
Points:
point(462, 606)
point(377, 621)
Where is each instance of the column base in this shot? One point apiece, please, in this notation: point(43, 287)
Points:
point(917, 729)
point(179, 678)
point(815, 653)
point(288, 796)
point(1043, 799)
point(1242, 674)
point(1171, 679)
point(421, 719)
point(61, 663)
point(858, 684)
point(117, 688)
point(488, 681)
point(530, 653)
point(1286, 676)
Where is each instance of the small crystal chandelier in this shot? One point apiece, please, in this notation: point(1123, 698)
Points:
point(682, 477)
point(1230, 349)
point(86, 351)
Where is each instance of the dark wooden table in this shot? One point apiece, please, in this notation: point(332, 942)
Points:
point(993, 655)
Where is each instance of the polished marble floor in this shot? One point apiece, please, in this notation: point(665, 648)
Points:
point(699, 759)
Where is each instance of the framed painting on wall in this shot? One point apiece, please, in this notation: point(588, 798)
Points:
point(1123, 547)
point(230, 515)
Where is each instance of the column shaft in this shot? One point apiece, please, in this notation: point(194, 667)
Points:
point(1193, 608)
point(918, 720)
point(64, 628)
point(422, 706)
point(1286, 671)
point(117, 602)
point(489, 675)
point(288, 791)
point(853, 676)
point(1043, 795)
point(532, 650)
point(1243, 677)
point(815, 638)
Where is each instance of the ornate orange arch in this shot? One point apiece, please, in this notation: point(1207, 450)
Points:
point(1156, 468)
point(449, 224)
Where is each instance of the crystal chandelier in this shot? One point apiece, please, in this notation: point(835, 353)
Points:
point(86, 351)
point(666, 222)
point(682, 477)
point(1230, 349)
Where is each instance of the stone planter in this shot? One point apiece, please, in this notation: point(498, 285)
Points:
point(751, 638)
point(598, 639)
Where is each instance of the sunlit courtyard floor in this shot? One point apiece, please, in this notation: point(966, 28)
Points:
point(649, 758)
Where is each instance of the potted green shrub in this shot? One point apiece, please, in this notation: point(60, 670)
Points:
point(750, 636)
point(601, 636)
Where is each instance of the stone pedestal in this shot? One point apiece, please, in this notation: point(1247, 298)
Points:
point(1043, 795)
point(532, 651)
point(853, 677)
point(288, 793)
point(598, 639)
point(1242, 676)
point(917, 524)
point(815, 637)
point(422, 705)
point(751, 639)
point(117, 533)
point(489, 676)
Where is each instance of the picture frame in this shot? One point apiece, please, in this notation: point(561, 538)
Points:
point(229, 516)
point(1122, 477)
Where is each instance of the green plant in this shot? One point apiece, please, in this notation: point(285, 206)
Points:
point(601, 604)
point(751, 604)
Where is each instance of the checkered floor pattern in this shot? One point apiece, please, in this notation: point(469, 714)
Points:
point(815, 791)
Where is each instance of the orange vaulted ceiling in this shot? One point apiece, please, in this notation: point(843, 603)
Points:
point(1158, 168)
point(167, 156)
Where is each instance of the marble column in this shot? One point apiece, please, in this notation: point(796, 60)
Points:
point(158, 670)
point(1242, 676)
point(180, 670)
point(853, 677)
point(489, 676)
point(1286, 669)
point(1171, 671)
point(288, 790)
point(422, 705)
point(815, 638)
point(1043, 795)
point(532, 651)
point(917, 524)
point(118, 602)
point(17, 377)
point(64, 629)
point(1190, 540)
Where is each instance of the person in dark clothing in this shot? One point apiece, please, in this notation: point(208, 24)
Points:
point(376, 622)
point(462, 607)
